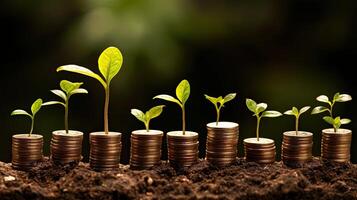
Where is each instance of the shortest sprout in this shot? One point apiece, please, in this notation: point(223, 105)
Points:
point(148, 115)
point(294, 111)
point(221, 101)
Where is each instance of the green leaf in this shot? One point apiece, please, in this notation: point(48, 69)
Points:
point(110, 62)
point(211, 99)
point(344, 98)
point(60, 94)
point(229, 97)
point(168, 98)
point(289, 112)
point(251, 105)
point(154, 112)
point(304, 109)
point(20, 112)
point(329, 120)
point(79, 91)
point(69, 86)
point(49, 103)
point(83, 71)
point(345, 121)
point(261, 107)
point(271, 113)
point(220, 100)
point(183, 91)
point(335, 97)
point(319, 109)
point(323, 98)
point(295, 111)
point(139, 115)
point(36, 106)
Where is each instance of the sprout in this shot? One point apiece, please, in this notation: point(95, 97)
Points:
point(221, 101)
point(294, 111)
point(337, 121)
point(148, 115)
point(258, 109)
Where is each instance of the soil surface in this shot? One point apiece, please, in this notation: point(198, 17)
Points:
point(241, 180)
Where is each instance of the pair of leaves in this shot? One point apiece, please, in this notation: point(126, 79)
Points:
point(148, 115)
point(109, 64)
point(336, 98)
point(337, 122)
point(294, 111)
point(259, 108)
point(182, 93)
point(220, 99)
point(35, 107)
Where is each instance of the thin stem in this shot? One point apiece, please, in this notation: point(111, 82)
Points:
point(183, 120)
point(147, 126)
point(32, 125)
point(258, 124)
point(297, 124)
point(218, 114)
point(66, 116)
point(334, 127)
point(106, 108)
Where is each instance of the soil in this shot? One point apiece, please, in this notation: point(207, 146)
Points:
point(241, 180)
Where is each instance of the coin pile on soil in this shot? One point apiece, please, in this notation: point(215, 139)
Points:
point(262, 151)
point(26, 150)
point(66, 147)
point(336, 146)
point(296, 148)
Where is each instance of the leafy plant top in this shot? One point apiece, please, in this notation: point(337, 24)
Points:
point(148, 115)
point(219, 102)
point(296, 112)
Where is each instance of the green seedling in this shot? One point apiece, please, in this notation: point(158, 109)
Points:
point(219, 102)
point(35, 107)
point(148, 115)
point(336, 122)
point(182, 94)
point(259, 112)
point(109, 64)
point(294, 111)
point(69, 88)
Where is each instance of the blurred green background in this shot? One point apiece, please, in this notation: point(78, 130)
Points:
point(284, 53)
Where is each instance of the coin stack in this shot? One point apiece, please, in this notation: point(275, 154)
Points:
point(145, 148)
point(262, 151)
point(335, 146)
point(66, 147)
point(221, 144)
point(26, 150)
point(105, 151)
point(182, 149)
point(296, 148)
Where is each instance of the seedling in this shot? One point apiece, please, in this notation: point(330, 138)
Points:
point(69, 88)
point(109, 64)
point(148, 115)
point(182, 94)
point(336, 122)
point(35, 107)
point(259, 112)
point(221, 101)
point(294, 111)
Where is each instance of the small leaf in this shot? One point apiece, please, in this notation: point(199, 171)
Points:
point(168, 98)
point(211, 99)
point(251, 105)
point(154, 112)
point(271, 113)
point(261, 107)
point(229, 97)
point(20, 112)
point(335, 97)
point(139, 115)
point(344, 98)
point(36, 106)
point(345, 121)
point(79, 91)
point(319, 109)
point(323, 98)
point(337, 120)
point(49, 103)
point(220, 100)
point(304, 109)
point(183, 91)
point(60, 94)
point(289, 112)
point(295, 111)
point(69, 86)
point(82, 70)
point(110, 62)
point(329, 120)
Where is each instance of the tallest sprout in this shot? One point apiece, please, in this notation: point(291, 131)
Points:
point(109, 64)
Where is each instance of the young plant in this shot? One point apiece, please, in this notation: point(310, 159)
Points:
point(148, 115)
point(294, 111)
point(182, 94)
point(336, 122)
point(109, 64)
point(221, 101)
point(69, 88)
point(259, 112)
point(35, 107)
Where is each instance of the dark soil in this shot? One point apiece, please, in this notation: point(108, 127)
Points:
point(239, 181)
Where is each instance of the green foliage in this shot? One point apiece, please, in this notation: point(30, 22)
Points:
point(35, 107)
point(294, 111)
point(337, 121)
point(182, 93)
point(219, 102)
point(148, 115)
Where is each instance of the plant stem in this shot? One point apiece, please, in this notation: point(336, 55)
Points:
point(147, 126)
point(331, 107)
point(218, 114)
point(66, 116)
point(257, 131)
point(297, 125)
point(106, 108)
point(32, 125)
point(183, 120)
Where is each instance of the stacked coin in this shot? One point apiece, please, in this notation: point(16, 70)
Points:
point(335, 146)
point(66, 147)
point(105, 151)
point(296, 148)
point(221, 144)
point(145, 148)
point(262, 151)
point(26, 150)
point(182, 149)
